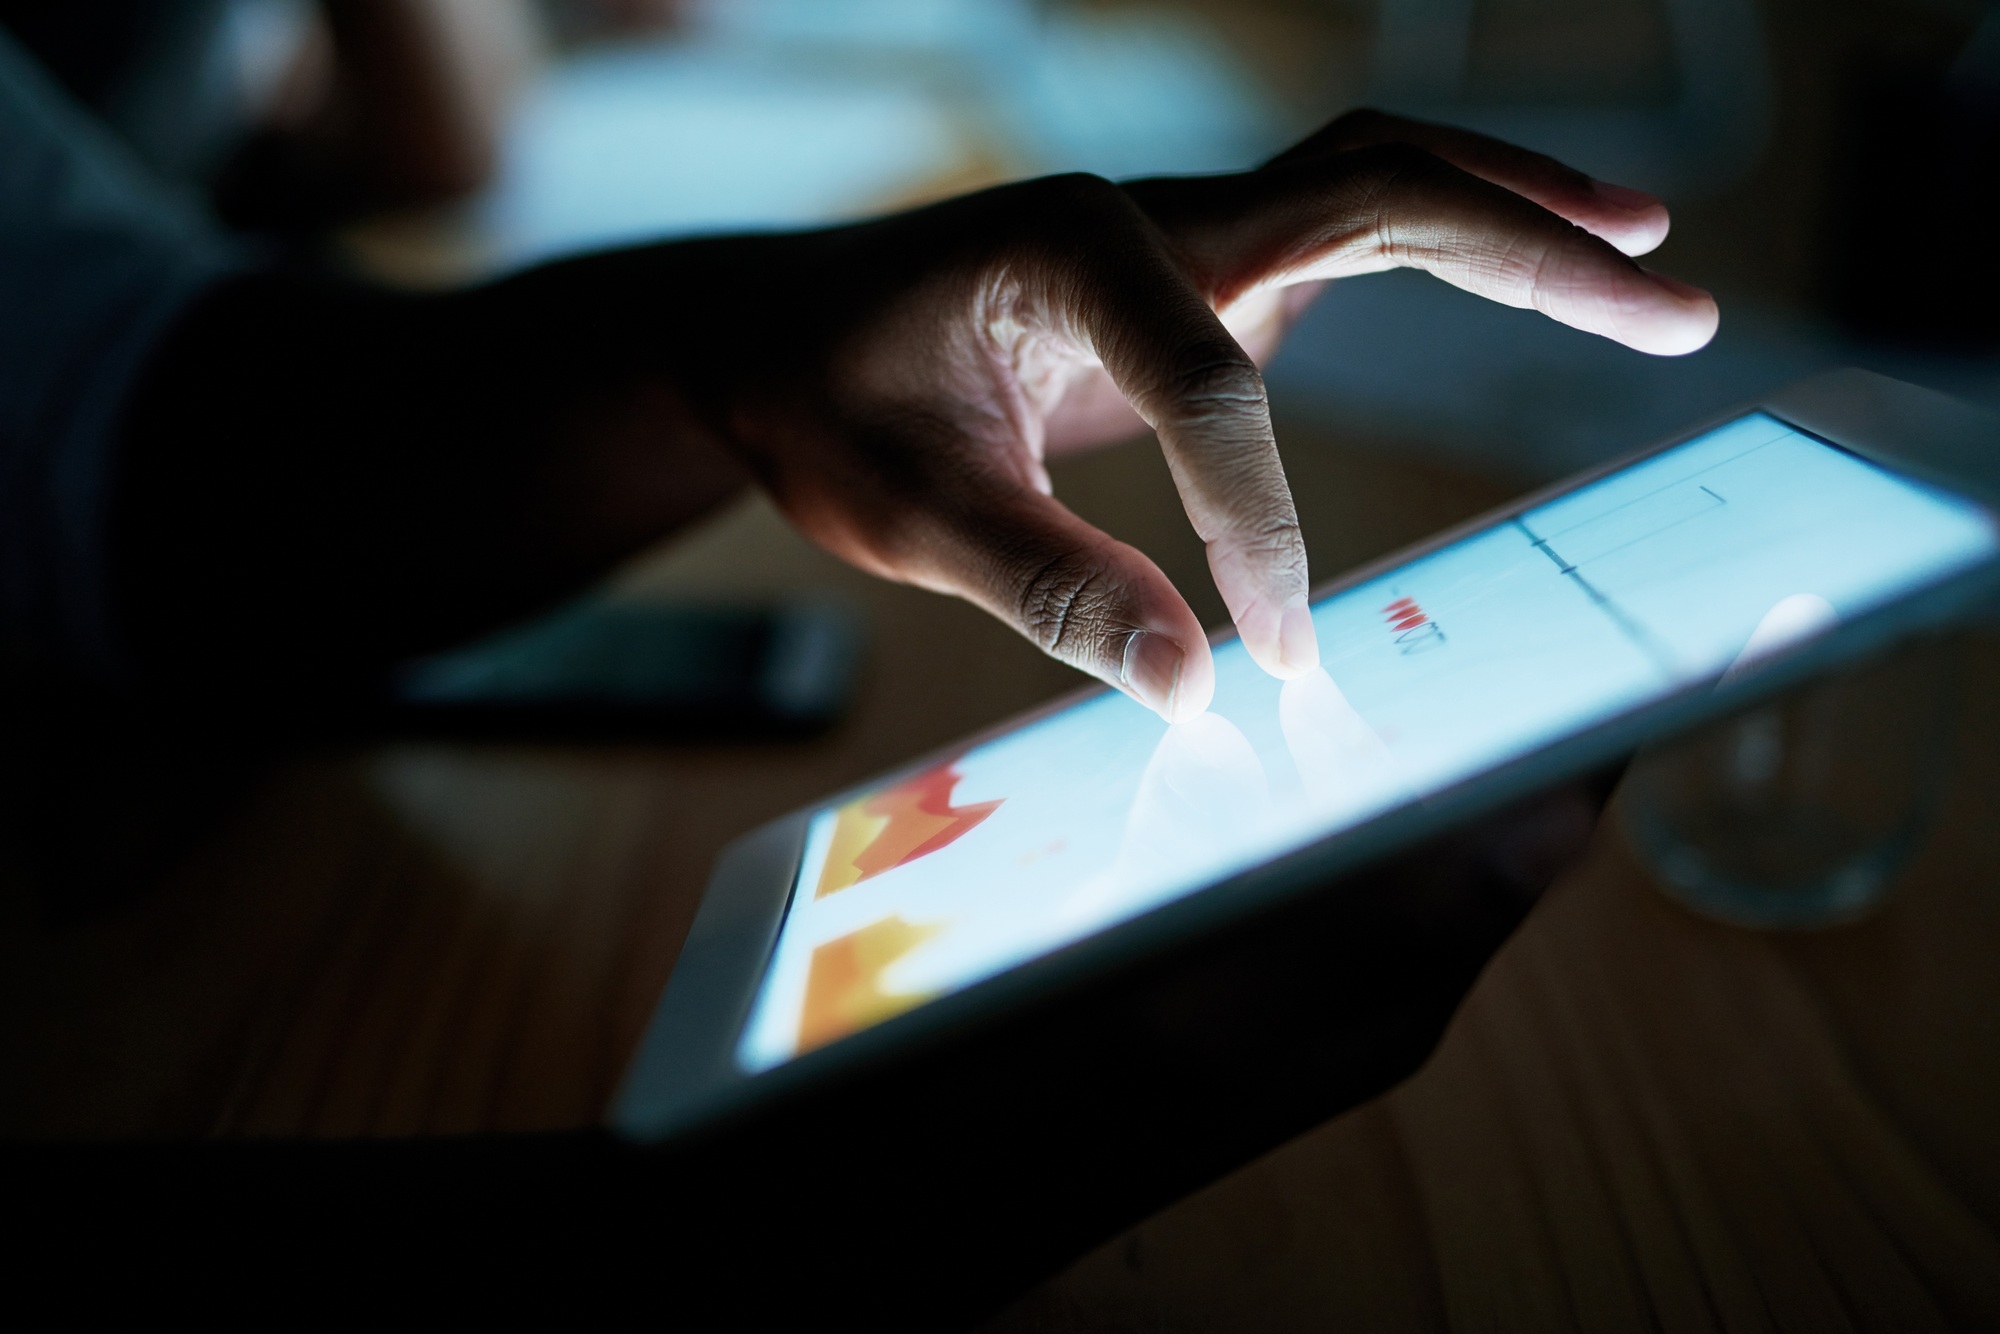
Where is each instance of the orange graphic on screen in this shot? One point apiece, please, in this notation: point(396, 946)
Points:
point(895, 826)
point(844, 991)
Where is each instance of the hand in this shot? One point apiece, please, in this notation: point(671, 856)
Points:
point(319, 478)
point(901, 406)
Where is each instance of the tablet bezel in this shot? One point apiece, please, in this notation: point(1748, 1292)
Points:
point(685, 1075)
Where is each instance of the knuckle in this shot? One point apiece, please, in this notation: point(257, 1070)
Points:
point(1386, 165)
point(1227, 382)
point(1076, 192)
point(1383, 178)
point(1070, 219)
point(1533, 263)
point(1523, 265)
point(1261, 521)
point(1360, 122)
point(1278, 547)
point(1398, 190)
point(1250, 512)
point(1066, 604)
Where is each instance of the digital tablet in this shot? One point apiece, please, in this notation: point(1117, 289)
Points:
point(1005, 944)
point(1495, 659)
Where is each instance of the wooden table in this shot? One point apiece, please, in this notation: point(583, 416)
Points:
point(1640, 1120)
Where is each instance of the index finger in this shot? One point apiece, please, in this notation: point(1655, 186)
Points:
point(1166, 350)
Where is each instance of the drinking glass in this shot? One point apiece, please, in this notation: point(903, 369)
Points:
point(1800, 812)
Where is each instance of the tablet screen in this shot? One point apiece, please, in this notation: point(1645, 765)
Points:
point(1664, 573)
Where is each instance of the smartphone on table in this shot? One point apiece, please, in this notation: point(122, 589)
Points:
point(1085, 961)
point(607, 669)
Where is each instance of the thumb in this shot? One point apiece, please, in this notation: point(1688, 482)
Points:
point(1079, 594)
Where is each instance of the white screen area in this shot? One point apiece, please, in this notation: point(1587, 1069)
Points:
point(1661, 574)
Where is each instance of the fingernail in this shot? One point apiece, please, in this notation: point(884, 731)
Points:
point(1621, 196)
point(1298, 643)
point(1152, 671)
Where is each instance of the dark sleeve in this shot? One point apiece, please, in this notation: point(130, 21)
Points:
point(95, 260)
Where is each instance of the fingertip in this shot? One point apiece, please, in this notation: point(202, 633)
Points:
point(1283, 643)
point(1153, 671)
point(1631, 221)
point(1624, 196)
point(1646, 311)
point(1640, 235)
point(1259, 626)
point(1687, 324)
point(1173, 681)
point(1298, 641)
point(1150, 671)
point(1197, 690)
point(1679, 290)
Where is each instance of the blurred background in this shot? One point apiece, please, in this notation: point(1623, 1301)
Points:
point(469, 939)
point(1830, 163)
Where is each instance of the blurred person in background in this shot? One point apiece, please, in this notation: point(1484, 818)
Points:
point(219, 475)
point(298, 114)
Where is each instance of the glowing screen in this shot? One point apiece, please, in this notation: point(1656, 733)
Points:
point(1661, 574)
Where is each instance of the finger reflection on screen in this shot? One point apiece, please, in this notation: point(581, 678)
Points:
point(1343, 765)
point(1790, 622)
point(1202, 791)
